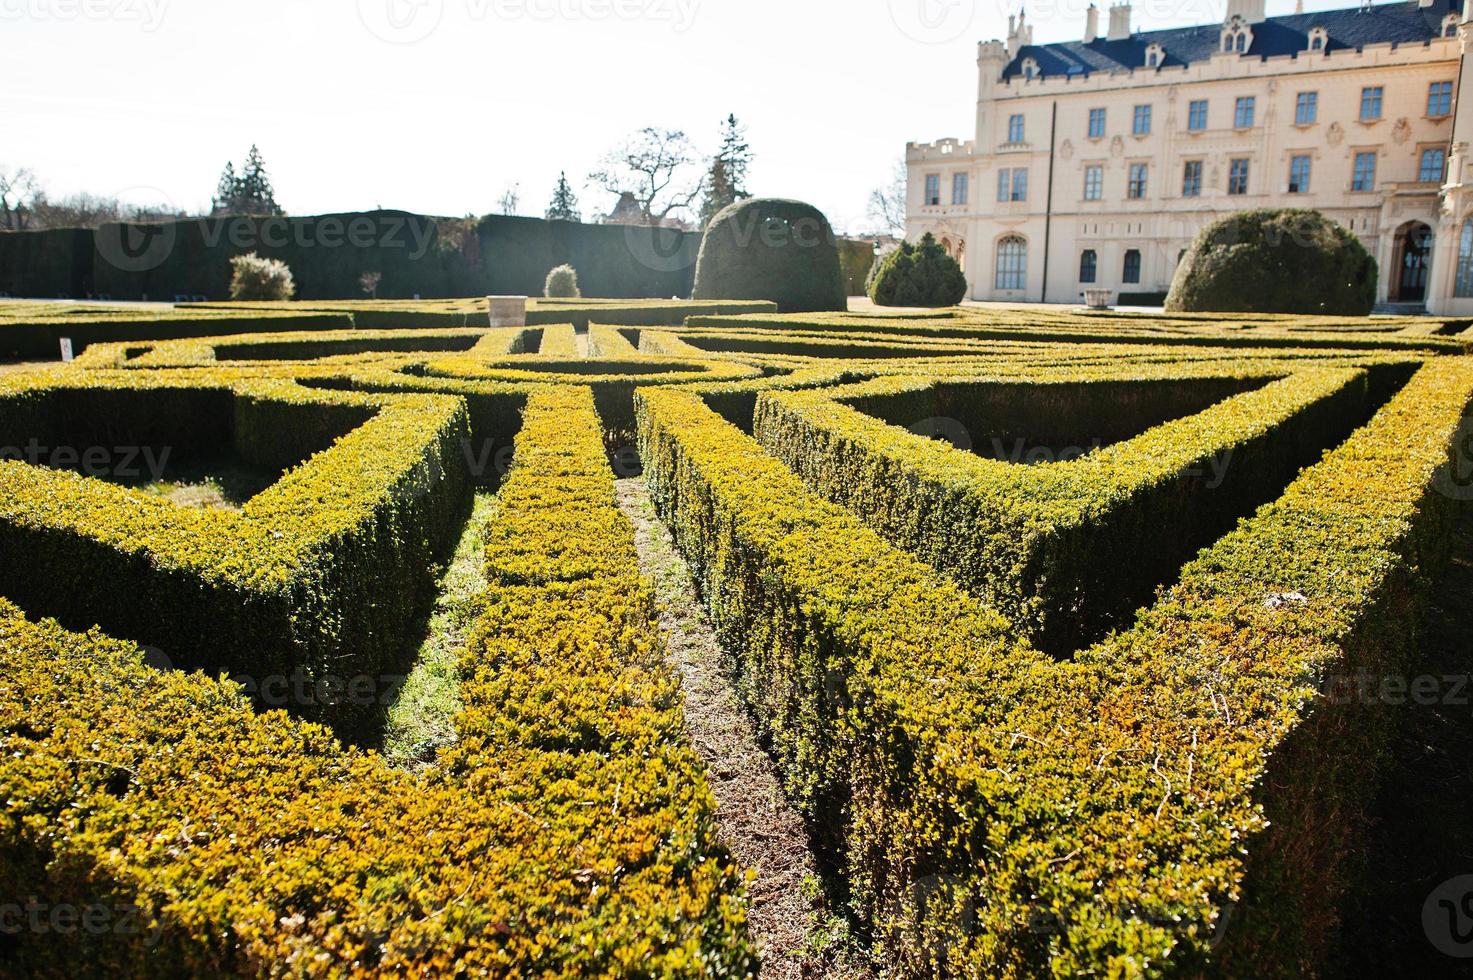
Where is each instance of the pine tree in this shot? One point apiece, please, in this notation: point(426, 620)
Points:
point(256, 193)
point(564, 204)
point(225, 191)
point(726, 181)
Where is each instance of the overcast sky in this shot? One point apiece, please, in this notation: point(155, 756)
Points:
point(438, 106)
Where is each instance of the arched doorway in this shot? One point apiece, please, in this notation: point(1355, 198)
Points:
point(1411, 258)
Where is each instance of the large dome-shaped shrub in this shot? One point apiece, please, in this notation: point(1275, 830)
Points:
point(1275, 261)
point(767, 248)
point(918, 275)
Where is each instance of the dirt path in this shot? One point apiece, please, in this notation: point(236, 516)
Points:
point(797, 938)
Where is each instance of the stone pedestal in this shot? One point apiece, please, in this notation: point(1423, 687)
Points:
point(1098, 299)
point(507, 311)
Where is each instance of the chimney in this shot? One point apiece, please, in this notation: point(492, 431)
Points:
point(1119, 22)
point(1091, 24)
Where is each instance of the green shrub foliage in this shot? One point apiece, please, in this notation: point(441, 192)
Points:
point(918, 275)
point(1275, 261)
point(256, 278)
point(562, 283)
point(767, 248)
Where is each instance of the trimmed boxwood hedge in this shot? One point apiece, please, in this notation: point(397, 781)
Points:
point(1002, 814)
point(568, 832)
point(1285, 260)
point(768, 248)
point(320, 574)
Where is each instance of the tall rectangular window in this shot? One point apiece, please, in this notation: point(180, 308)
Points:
point(1370, 103)
point(1306, 108)
point(1132, 270)
point(1430, 170)
point(1364, 176)
point(1004, 184)
point(1088, 263)
point(1136, 188)
point(1094, 182)
point(1015, 128)
point(1238, 176)
point(1243, 111)
point(958, 188)
point(1440, 99)
point(1299, 175)
point(1140, 122)
point(1020, 184)
point(1197, 115)
point(1096, 123)
point(933, 189)
point(1191, 179)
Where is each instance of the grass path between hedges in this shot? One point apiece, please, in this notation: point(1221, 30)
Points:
point(421, 720)
point(796, 935)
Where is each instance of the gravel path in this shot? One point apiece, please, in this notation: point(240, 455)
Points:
point(787, 916)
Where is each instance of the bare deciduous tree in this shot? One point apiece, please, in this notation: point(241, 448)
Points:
point(651, 167)
point(19, 193)
point(887, 203)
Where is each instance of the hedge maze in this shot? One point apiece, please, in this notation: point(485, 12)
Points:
point(1038, 615)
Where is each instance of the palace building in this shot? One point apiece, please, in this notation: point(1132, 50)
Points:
point(1095, 162)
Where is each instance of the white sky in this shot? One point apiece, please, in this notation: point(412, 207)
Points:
point(437, 106)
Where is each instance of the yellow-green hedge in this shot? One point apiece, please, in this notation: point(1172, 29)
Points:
point(1004, 814)
point(321, 573)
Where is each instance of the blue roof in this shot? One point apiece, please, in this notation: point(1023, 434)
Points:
point(1397, 23)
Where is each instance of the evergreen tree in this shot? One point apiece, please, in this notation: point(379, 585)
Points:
point(248, 193)
point(726, 181)
point(564, 205)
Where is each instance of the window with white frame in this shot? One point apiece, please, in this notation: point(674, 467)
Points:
point(1306, 108)
point(1370, 103)
point(1429, 170)
point(1243, 111)
point(1238, 176)
point(1012, 184)
point(958, 188)
point(1191, 179)
point(1140, 122)
point(1299, 174)
point(1096, 123)
point(1363, 177)
point(933, 190)
point(1094, 181)
point(1135, 187)
point(1015, 128)
point(1440, 99)
point(1197, 115)
point(1011, 270)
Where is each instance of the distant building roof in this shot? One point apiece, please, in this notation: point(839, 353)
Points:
point(1399, 23)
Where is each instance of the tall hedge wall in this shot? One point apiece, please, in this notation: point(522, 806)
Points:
point(415, 254)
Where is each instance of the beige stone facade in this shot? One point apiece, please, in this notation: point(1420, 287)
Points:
point(1095, 164)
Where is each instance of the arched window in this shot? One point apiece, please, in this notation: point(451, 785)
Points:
point(1155, 55)
point(1463, 284)
point(1012, 263)
point(1450, 25)
point(1240, 44)
point(1132, 271)
point(1088, 263)
point(1319, 38)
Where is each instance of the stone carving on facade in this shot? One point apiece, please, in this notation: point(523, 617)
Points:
point(1117, 147)
point(1335, 134)
point(1402, 131)
point(1066, 151)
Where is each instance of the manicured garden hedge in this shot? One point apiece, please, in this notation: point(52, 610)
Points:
point(1001, 814)
point(568, 831)
point(320, 574)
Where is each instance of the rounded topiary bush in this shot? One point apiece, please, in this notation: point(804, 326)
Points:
point(1275, 261)
point(562, 283)
point(918, 275)
point(767, 248)
point(255, 278)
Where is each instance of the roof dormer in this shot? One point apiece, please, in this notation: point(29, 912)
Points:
point(1450, 25)
point(1319, 38)
point(1155, 55)
point(1237, 36)
point(1030, 69)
